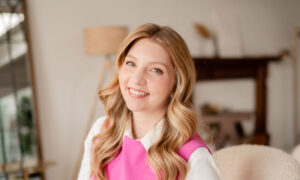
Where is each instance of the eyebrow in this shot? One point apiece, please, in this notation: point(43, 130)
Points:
point(132, 56)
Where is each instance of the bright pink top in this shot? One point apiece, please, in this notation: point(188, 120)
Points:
point(131, 162)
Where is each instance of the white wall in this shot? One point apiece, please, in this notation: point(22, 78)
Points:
point(66, 77)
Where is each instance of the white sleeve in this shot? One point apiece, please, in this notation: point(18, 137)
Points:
point(85, 168)
point(202, 166)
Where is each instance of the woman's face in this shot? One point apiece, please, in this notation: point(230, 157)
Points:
point(147, 77)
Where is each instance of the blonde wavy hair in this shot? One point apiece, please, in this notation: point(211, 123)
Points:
point(180, 119)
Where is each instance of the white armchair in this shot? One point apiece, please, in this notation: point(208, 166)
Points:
point(296, 153)
point(256, 162)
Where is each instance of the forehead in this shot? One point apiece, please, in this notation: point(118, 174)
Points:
point(148, 50)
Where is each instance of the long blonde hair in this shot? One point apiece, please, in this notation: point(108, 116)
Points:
point(181, 121)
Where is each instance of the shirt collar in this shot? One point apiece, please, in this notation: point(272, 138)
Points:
point(150, 138)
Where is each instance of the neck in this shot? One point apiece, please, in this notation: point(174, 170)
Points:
point(143, 122)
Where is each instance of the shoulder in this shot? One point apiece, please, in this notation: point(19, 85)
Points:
point(191, 145)
point(96, 127)
point(200, 153)
point(202, 164)
point(98, 123)
point(85, 168)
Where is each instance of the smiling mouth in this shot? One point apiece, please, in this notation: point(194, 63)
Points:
point(136, 93)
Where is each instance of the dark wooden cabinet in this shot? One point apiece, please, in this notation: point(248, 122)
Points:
point(238, 68)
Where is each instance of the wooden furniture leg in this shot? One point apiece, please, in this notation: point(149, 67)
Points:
point(25, 175)
point(261, 136)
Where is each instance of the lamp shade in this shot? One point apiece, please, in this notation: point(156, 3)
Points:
point(103, 40)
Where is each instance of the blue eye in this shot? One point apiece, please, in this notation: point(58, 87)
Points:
point(129, 63)
point(157, 70)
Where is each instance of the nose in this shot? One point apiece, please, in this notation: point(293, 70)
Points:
point(138, 77)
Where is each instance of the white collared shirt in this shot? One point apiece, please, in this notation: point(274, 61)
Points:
point(201, 163)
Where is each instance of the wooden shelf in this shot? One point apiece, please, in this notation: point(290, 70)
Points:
point(231, 68)
point(256, 68)
point(230, 117)
point(227, 123)
point(12, 168)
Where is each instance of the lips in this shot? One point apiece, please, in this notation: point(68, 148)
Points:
point(137, 93)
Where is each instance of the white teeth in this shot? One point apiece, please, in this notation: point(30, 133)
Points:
point(138, 93)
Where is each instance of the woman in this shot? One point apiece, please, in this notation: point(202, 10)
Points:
point(149, 131)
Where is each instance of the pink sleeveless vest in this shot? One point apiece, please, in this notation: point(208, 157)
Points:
point(131, 161)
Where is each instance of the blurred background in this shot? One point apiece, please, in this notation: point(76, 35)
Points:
point(246, 54)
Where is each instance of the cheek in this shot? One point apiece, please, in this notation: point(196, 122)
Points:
point(163, 85)
point(122, 78)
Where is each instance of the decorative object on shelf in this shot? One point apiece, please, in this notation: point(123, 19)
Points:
point(101, 41)
point(20, 146)
point(226, 125)
point(210, 40)
point(229, 32)
point(212, 109)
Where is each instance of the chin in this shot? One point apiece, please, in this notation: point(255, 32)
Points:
point(135, 108)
